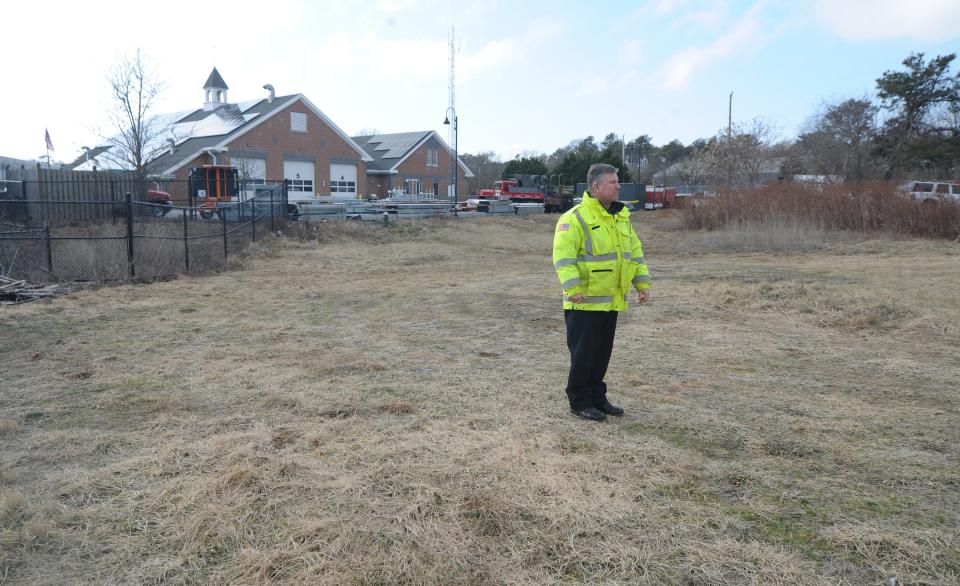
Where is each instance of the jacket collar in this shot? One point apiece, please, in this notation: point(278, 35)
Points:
point(617, 208)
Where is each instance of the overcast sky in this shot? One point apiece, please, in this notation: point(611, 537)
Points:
point(530, 76)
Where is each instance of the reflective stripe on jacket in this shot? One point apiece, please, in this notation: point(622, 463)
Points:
point(598, 254)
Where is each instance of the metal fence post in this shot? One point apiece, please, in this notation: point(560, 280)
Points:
point(273, 229)
point(186, 244)
point(223, 221)
point(130, 262)
point(253, 216)
point(46, 231)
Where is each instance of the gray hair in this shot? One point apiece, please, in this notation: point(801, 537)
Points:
point(597, 172)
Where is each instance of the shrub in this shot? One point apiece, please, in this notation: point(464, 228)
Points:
point(861, 207)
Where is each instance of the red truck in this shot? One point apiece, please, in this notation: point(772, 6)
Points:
point(512, 190)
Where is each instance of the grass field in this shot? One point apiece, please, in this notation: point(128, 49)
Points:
point(386, 406)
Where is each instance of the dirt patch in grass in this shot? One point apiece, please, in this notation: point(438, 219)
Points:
point(8, 427)
point(359, 404)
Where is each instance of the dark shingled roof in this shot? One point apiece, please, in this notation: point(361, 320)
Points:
point(215, 81)
point(388, 150)
point(188, 148)
point(192, 147)
point(195, 116)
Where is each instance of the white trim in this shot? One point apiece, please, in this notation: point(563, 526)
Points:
point(263, 118)
point(363, 154)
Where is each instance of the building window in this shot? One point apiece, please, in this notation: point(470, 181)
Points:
point(432, 159)
point(413, 186)
point(298, 122)
point(343, 186)
point(436, 189)
point(300, 185)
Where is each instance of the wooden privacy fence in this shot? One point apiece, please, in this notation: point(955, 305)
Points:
point(28, 186)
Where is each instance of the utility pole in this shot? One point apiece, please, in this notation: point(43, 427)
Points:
point(623, 149)
point(729, 146)
point(730, 116)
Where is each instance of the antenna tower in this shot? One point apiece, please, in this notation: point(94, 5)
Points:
point(453, 87)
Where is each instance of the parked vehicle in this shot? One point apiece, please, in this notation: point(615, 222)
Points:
point(160, 200)
point(536, 192)
point(932, 192)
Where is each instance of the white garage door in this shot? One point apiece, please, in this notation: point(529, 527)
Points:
point(343, 181)
point(300, 177)
point(251, 170)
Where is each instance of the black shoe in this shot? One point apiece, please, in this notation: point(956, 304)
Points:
point(589, 413)
point(610, 409)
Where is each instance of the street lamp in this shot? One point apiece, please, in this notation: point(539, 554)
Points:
point(453, 159)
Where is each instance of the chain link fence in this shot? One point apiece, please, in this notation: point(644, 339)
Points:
point(109, 241)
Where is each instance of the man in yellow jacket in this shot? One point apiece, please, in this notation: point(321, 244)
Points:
point(598, 258)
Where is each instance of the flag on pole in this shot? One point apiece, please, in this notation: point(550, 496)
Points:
point(46, 135)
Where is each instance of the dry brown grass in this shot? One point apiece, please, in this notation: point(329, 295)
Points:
point(385, 406)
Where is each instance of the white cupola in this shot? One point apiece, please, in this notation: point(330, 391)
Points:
point(214, 91)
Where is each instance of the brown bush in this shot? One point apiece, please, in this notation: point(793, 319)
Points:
point(859, 207)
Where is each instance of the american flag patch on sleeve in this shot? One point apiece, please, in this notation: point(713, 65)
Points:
point(563, 227)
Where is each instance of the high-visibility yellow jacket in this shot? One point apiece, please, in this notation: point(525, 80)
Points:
point(597, 253)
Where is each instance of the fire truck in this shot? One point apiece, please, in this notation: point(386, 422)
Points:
point(536, 190)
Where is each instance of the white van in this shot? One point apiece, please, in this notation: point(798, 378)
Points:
point(932, 191)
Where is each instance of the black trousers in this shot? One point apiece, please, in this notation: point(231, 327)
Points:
point(590, 340)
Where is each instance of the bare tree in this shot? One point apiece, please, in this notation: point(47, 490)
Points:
point(745, 156)
point(137, 135)
point(249, 173)
point(487, 168)
point(838, 141)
